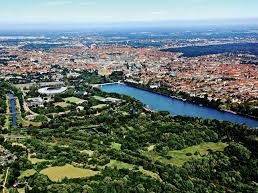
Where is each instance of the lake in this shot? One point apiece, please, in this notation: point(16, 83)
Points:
point(159, 102)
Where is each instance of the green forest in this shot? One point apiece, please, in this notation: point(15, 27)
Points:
point(106, 147)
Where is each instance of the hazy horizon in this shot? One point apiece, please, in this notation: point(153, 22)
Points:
point(16, 14)
point(168, 24)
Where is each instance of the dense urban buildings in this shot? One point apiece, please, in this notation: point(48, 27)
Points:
point(224, 76)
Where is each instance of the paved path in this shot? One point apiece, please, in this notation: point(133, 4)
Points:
point(6, 176)
point(26, 107)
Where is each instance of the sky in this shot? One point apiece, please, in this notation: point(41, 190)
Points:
point(103, 11)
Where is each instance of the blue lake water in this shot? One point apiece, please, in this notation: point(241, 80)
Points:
point(159, 102)
point(13, 108)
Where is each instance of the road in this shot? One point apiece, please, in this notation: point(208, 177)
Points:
point(6, 176)
point(27, 109)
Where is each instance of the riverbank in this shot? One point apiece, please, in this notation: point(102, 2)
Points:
point(8, 113)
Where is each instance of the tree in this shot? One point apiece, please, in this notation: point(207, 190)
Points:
point(87, 189)
point(239, 151)
point(1, 139)
point(13, 190)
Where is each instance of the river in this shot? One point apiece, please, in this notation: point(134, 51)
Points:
point(13, 108)
point(159, 102)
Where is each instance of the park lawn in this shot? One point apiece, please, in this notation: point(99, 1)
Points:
point(27, 123)
point(8, 111)
point(24, 122)
point(125, 113)
point(62, 104)
point(68, 171)
point(123, 165)
point(19, 144)
point(21, 190)
point(27, 173)
point(7, 122)
point(151, 147)
point(179, 157)
point(100, 106)
point(149, 173)
point(98, 97)
point(1, 178)
point(35, 160)
point(120, 165)
point(116, 146)
point(74, 100)
point(89, 152)
point(203, 149)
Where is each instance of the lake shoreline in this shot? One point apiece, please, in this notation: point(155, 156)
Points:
point(251, 122)
point(184, 100)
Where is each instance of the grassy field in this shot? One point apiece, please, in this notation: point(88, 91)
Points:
point(125, 113)
point(149, 173)
point(116, 146)
point(179, 157)
point(89, 152)
point(24, 122)
point(62, 104)
point(27, 123)
point(8, 116)
point(1, 178)
point(27, 173)
point(123, 165)
point(98, 97)
point(120, 165)
point(35, 160)
point(151, 147)
point(100, 106)
point(73, 100)
point(19, 144)
point(21, 190)
point(69, 171)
